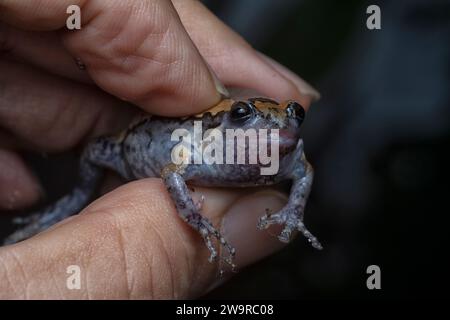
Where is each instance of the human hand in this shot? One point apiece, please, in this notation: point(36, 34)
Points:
point(130, 243)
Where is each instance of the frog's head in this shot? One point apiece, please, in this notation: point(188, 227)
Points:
point(263, 113)
point(266, 113)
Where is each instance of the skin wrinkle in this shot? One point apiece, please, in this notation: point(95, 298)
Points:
point(91, 290)
point(118, 229)
point(164, 253)
point(127, 270)
point(51, 275)
point(55, 281)
point(117, 44)
point(166, 36)
point(187, 250)
point(162, 245)
point(132, 52)
point(114, 232)
point(89, 252)
point(164, 69)
point(190, 259)
point(91, 14)
point(161, 90)
point(147, 265)
point(149, 258)
point(151, 282)
point(196, 72)
point(23, 276)
point(133, 282)
point(5, 266)
point(88, 282)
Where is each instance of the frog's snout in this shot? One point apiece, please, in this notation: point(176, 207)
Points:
point(295, 111)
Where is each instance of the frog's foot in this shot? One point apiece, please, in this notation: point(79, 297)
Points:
point(200, 202)
point(291, 220)
point(207, 231)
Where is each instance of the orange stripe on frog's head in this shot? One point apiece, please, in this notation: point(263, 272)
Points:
point(265, 105)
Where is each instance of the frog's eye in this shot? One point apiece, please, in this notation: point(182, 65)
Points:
point(241, 111)
point(295, 110)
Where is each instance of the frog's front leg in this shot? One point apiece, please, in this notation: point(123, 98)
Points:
point(291, 216)
point(189, 212)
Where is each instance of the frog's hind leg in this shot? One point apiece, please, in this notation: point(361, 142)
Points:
point(103, 152)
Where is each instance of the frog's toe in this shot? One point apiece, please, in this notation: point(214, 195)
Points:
point(285, 235)
point(268, 219)
point(200, 202)
point(311, 238)
point(231, 253)
point(291, 221)
point(229, 258)
point(212, 256)
point(207, 230)
point(206, 237)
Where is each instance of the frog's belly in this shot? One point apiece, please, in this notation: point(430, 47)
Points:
point(229, 176)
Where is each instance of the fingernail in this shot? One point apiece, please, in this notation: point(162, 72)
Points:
point(304, 87)
point(307, 89)
point(217, 83)
point(239, 226)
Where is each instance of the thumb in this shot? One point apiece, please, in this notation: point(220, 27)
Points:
point(131, 244)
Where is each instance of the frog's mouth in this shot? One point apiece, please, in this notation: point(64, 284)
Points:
point(287, 140)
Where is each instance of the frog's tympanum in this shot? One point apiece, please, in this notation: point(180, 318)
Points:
point(145, 150)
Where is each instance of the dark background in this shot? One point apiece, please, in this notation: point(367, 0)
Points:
point(378, 139)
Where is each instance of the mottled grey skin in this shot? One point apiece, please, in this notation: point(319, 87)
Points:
point(144, 150)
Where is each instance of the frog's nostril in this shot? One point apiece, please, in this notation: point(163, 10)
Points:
point(295, 110)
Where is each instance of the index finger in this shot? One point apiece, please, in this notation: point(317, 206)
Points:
point(136, 50)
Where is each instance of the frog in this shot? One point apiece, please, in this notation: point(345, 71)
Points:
point(145, 149)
